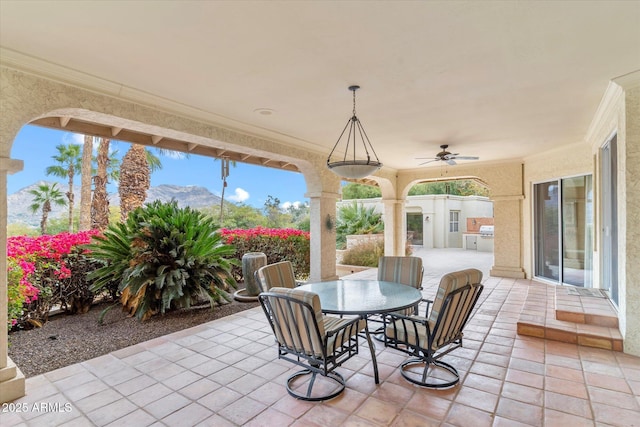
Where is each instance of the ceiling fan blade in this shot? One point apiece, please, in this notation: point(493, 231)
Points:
point(428, 161)
point(467, 158)
point(450, 156)
point(451, 162)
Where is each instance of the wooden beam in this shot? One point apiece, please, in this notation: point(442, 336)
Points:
point(64, 121)
point(155, 139)
point(191, 146)
point(115, 131)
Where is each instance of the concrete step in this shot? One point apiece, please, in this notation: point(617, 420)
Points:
point(561, 314)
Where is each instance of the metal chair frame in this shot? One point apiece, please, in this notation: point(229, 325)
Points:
point(330, 355)
point(445, 336)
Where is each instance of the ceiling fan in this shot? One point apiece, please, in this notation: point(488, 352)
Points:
point(446, 156)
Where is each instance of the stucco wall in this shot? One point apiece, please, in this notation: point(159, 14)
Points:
point(437, 207)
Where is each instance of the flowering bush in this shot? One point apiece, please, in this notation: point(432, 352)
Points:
point(278, 244)
point(36, 267)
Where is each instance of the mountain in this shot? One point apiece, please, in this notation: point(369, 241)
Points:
point(19, 212)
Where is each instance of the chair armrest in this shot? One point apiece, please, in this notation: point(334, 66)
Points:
point(343, 324)
point(428, 303)
point(392, 317)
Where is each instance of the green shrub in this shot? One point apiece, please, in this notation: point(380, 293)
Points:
point(356, 219)
point(163, 257)
point(365, 254)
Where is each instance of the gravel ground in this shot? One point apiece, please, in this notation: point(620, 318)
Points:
point(68, 339)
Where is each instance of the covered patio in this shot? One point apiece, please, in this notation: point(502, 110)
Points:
point(226, 373)
point(540, 91)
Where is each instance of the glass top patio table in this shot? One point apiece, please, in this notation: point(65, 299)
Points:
point(363, 297)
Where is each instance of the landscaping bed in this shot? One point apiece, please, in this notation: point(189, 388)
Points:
point(68, 339)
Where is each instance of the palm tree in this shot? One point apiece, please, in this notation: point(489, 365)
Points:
point(69, 161)
point(44, 197)
point(85, 187)
point(100, 202)
point(135, 179)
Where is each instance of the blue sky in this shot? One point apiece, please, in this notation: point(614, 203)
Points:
point(246, 183)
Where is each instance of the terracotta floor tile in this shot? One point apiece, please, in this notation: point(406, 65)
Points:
point(431, 406)
point(111, 412)
point(570, 388)
point(553, 418)
point(614, 399)
point(525, 378)
point(522, 393)
point(611, 415)
point(167, 405)
point(505, 422)
point(527, 365)
point(269, 417)
point(520, 411)
point(506, 379)
point(565, 373)
point(477, 399)
point(460, 415)
point(568, 404)
point(242, 410)
point(607, 382)
point(377, 411)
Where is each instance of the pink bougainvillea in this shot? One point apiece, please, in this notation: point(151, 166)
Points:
point(28, 256)
point(282, 233)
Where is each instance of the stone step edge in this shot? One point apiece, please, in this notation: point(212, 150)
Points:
point(588, 319)
point(603, 341)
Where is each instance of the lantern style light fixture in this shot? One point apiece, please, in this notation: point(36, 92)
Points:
point(347, 165)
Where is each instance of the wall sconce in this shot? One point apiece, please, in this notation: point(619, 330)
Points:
point(329, 222)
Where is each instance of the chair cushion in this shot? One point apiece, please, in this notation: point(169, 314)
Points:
point(334, 323)
point(401, 269)
point(449, 283)
point(404, 330)
point(302, 320)
point(279, 274)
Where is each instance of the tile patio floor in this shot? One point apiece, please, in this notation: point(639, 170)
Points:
point(225, 373)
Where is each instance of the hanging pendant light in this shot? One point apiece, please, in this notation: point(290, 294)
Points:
point(346, 164)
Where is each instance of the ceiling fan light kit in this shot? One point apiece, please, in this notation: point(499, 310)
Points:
point(348, 165)
point(446, 156)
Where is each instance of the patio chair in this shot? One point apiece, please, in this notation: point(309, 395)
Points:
point(309, 339)
point(279, 274)
point(407, 270)
point(427, 339)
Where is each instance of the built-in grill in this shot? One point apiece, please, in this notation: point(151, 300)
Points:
point(486, 230)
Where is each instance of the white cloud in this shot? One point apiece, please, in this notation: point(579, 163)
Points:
point(239, 196)
point(287, 205)
point(73, 138)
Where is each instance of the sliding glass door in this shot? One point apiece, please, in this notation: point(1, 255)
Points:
point(563, 230)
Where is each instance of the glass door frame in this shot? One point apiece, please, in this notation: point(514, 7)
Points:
point(535, 242)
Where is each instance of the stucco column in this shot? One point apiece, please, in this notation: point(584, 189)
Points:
point(629, 242)
point(323, 235)
point(394, 226)
point(12, 385)
point(507, 253)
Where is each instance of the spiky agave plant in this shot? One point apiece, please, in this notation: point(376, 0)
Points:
point(164, 257)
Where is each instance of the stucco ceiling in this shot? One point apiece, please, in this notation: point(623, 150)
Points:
point(499, 80)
